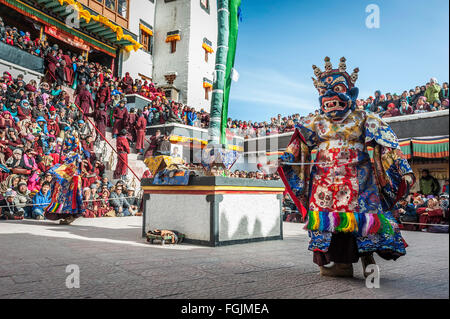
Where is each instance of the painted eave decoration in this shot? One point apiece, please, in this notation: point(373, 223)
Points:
point(207, 45)
point(207, 84)
point(146, 29)
point(91, 22)
point(173, 36)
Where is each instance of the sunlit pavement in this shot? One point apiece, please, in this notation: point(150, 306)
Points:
point(116, 262)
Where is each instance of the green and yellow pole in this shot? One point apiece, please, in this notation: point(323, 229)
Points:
point(223, 18)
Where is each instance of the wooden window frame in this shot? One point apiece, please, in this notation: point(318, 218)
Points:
point(145, 46)
point(173, 46)
point(100, 7)
point(206, 8)
point(207, 93)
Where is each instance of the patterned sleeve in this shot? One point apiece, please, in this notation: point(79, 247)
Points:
point(390, 165)
point(295, 177)
point(308, 132)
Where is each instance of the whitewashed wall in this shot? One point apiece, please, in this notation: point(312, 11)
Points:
point(140, 61)
point(188, 214)
point(246, 216)
point(169, 17)
point(203, 25)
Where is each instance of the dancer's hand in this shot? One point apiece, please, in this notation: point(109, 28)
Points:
point(408, 179)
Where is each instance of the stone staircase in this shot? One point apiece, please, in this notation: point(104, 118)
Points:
point(107, 156)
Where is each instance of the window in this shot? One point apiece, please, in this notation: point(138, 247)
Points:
point(111, 4)
point(173, 37)
point(145, 40)
point(204, 4)
point(207, 85)
point(173, 46)
point(207, 46)
point(146, 36)
point(122, 6)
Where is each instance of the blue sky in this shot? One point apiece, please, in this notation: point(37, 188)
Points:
point(279, 41)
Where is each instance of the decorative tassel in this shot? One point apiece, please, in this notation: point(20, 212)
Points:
point(386, 226)
point(362, 224)
point(376, 225)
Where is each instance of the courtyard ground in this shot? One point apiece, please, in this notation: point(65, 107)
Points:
point(115, 262)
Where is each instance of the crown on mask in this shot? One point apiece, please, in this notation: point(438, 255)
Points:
point(342, 70)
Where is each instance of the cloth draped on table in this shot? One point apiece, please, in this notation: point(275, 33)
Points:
point(343, 192)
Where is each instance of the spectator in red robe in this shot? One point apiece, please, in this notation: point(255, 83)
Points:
point(154, 142)
point(100, 118)
point(391, 111)
point(120, 116)
point(127, 83)
point(103, 94)
point(123, 148)
point(131, 125)
point(141, 127)
point(68, 69)
point(24, 110)
point(88, 176)
point(84, 100)
point(88, 145)
point(432, 214)
point(52, 63)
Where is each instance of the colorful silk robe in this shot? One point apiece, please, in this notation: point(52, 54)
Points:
point(66, 193)
point(344, 191)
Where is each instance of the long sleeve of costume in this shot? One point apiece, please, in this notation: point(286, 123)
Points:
point(389, 162)
point(296, 177)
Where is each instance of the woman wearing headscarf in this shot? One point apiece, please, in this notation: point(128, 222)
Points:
point(24, 110)
point(6, 121)
point(422, 106)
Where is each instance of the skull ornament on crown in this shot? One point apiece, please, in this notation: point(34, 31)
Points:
point(337, 91)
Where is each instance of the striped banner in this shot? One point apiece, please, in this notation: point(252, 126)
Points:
point(430, 147)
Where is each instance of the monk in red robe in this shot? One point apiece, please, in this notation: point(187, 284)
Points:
point(127, 83)
point(100, 118)
point(68, 70)
point(131, 125)
point(84, 100)
point(103, 94)
point(141, 127)
point(123, 148)
point(52, 63)
point(120, 116)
